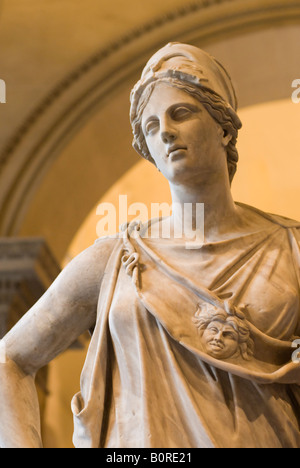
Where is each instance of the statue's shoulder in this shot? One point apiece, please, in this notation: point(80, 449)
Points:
point(108, 240)
point(104, 246)
point(273, 218)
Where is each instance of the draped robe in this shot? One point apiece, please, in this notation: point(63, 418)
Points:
point(147, 382)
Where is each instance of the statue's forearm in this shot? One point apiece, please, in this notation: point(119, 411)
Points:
point(19, 408)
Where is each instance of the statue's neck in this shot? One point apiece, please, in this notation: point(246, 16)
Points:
point(209, 206)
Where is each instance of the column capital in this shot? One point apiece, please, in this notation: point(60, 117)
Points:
point(27, 269)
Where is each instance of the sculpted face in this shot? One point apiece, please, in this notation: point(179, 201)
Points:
point(220, 340)
point(187, 145)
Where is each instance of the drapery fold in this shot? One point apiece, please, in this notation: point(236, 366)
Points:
point(146, 368)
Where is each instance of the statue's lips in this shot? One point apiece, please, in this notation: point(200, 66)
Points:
point(176, 153)
point(216, 346)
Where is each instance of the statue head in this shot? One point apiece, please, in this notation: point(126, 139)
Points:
point(224, 333)
point(194, 71)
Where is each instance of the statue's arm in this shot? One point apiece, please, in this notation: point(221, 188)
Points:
point(64, 312)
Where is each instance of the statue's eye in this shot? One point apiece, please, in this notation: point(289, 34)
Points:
point(151, 126)
point(229, 335)
point(180, 113)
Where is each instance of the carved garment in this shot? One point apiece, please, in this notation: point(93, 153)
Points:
point(147, 382)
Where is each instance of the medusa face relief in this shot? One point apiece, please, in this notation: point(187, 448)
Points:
point(223, 333)
point(220, 340)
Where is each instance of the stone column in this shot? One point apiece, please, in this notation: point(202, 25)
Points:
point(27, 269)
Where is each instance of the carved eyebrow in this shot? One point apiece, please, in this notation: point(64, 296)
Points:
point(188, 105)
point(172, 108)
point(212, 325)
point(230, 330)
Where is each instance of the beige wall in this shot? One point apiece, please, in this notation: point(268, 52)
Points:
point(65, 141)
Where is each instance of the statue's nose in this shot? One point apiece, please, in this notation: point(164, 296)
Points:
point(167, 130)
point(168, 136)
point(219, 335)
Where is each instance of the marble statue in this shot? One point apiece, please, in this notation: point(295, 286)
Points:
point(190, 347)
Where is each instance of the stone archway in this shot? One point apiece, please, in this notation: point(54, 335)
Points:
point(70, 150)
